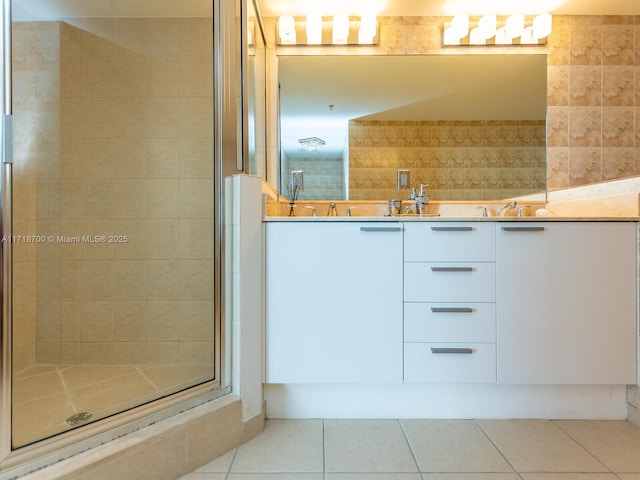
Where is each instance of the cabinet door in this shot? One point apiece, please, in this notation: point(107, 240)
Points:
point(566, 302)
point(334, 302)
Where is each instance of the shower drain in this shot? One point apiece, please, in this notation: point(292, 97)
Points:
point(78, 418)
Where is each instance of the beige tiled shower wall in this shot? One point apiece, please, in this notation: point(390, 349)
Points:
point(30, 110)
point(125, 147)
point(457, 160)
point(593, 87)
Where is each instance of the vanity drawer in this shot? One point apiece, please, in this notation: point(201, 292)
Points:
point(450, 362)
point(449, 242)
point(447, 322)
point(449, 282)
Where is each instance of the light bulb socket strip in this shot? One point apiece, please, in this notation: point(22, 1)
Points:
point(497, 30)
point(338, 30)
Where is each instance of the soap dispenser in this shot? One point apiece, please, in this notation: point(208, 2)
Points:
point(333, 211)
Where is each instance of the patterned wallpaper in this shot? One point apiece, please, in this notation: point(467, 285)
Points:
point(323, 177)
point(457, 160)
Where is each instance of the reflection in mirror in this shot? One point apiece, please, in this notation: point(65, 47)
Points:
point(470, 127)
point(255, 93)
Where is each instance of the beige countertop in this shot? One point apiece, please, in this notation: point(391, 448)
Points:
point(435, 218)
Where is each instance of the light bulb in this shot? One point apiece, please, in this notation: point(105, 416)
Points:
point(367, 29)
point(487, 27)
point(515, 25)
point(542, 25)
point(528, 36)
point(460, 25)
point(501, 37)
point(314, 30)
point(475, 37)
point(340, 29)
point(287, 29)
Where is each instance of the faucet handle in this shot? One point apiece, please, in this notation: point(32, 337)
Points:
point(484, 210)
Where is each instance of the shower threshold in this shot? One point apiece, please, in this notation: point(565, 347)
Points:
point(51, 399)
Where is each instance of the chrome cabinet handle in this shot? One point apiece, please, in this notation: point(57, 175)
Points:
point(380, 229)
point(447, 350)
point(452, 309)
point(523, 229)
point(452, 229)
point(452, 269)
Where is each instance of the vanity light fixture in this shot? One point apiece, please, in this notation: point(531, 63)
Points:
point(514, 29)
point(311, 144)
point(336, 30)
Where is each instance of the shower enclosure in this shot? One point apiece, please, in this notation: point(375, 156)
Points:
point(111, 240)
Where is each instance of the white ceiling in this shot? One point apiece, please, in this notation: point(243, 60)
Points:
point(159, 8)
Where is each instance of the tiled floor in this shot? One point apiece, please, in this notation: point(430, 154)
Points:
point(44, 396)
point(433, 450)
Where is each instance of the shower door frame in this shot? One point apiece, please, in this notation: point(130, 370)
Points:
point(6, 232)
point(226, 71)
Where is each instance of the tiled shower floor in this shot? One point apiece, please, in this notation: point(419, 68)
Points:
point(44, 396)
point(433, 450)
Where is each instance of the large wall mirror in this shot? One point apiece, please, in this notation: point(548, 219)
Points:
point(469, 126)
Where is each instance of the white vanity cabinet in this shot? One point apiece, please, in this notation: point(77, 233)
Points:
point(449, 302)
point(566, 302)
point(334, 302)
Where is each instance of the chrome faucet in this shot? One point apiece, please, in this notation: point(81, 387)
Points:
point(422, 201)
point(506, 210)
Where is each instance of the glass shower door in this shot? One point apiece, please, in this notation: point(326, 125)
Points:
point(113, 212)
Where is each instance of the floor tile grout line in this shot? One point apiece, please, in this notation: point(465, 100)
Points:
point(554, 422)
point(141, 372)
point(67, 391)
point(475, 420)
point(413, 455)
point(324, 451)
point(233, 459)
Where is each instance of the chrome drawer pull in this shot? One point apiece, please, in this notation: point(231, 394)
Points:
point(452, 229)
point(380, 229)
point(465, 351)
point(523, 229)
point(452, 309)
point(452, 269)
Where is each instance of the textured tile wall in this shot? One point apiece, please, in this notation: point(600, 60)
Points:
point(127, 112)
point(593, 100)
point(323, 177)
point(457, 160)
point(30, 109)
